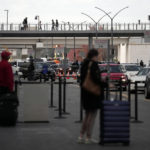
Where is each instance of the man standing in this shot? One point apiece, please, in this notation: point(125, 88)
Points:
point(25, 23)
point(40, 25)
point(141, 63)
point(53, 25)
point(6, 74)
point(57, 24)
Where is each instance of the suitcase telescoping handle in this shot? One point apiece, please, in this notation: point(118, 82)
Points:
point(117, 86)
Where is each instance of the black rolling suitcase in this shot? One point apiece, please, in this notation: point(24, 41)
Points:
point(8, 109)
point(115, 122)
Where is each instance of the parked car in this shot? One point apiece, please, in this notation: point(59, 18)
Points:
point(60, 68)
point(147, 86)
point(16, 65)
point(50, 63)
point(23, 70)
point(75, 66)
point(38, 67)
point(140, 77)
point(130, 69)
point(116, 73)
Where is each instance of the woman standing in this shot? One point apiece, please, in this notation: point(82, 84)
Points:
point(90, 102)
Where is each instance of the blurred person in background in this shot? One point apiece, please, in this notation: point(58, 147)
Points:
point(6, 74)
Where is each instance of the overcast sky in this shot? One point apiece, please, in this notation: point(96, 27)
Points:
point(70, 10)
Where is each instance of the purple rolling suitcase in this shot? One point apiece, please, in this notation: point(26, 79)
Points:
point(114, 122)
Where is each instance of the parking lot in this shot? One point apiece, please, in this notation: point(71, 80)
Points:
point(61, 133)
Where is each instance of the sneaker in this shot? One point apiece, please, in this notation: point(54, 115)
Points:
point(80, 140)
point(91, 141)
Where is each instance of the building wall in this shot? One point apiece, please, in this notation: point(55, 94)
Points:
point(138, 50)
point(122, 52)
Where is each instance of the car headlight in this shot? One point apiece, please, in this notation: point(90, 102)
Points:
point(123, 78)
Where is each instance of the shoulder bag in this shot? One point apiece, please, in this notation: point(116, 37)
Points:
point(89, 85)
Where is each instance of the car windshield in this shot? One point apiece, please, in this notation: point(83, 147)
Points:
point(113, 68)
point(24, 64)
point(38, 65)
point(20, 64)
point(132, 68)
point(143, 72)
point(51, 63)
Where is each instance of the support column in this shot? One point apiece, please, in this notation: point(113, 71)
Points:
point(123, 53)
point(35, 50)
point(118, 55)
point(90, 42)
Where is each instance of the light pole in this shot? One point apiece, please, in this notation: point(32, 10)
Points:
point(74, 39)
point(96, 23)
point(112, 18)
point(7, 17)
point(38, 19)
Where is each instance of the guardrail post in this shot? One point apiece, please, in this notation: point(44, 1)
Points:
point(52, 93)
point(60, 101)
point(16, 86)
point(81, 108)
point(129, 95)
point(136, 104)
point(64, 97)
point(120, 89)
point(107, 89)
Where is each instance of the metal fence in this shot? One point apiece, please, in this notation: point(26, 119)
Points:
point(76, 27)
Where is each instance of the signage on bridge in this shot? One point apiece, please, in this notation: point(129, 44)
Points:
point(39, 45)
point(101, 43)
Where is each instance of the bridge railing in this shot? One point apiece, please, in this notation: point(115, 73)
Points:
point(75, 27)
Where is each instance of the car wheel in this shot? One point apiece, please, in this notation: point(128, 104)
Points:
point(147, 91)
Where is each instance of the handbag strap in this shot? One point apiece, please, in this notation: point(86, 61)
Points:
point(89, 66)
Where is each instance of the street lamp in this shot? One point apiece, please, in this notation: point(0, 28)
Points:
point(75, 41)
point(37, 18)
point(7, 17)
point(112, 18)
point(96, 23)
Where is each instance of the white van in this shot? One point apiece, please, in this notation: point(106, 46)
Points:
point(44, 59)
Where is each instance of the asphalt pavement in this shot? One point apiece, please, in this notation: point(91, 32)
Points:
point(62, 133)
